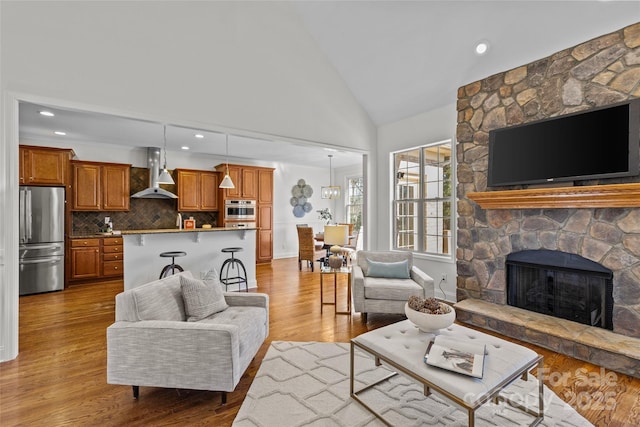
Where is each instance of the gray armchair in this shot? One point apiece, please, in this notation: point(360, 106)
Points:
point(382, 282)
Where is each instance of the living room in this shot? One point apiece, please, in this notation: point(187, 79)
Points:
point(98, 86)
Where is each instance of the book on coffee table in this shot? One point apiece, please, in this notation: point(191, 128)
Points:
point(458, 356)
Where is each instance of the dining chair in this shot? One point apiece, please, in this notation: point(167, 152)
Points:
point(308, 249)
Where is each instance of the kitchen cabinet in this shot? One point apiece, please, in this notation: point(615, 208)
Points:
point(245, 179)
point(96, 258)
point(265, 215)
point(85, 259)
point(253, 183)
point(112, 257)
point(265, 186)
point(197, 190)
point(264, 238)
point(100, 186)
point(44, 165)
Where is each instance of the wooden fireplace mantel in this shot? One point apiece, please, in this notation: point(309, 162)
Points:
point(593, 196)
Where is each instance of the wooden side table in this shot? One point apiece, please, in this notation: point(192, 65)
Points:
point(324, 271)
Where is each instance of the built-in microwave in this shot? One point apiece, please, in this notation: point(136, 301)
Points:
point(240, 209)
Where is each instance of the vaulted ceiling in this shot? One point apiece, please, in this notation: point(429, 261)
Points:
point(398, 58)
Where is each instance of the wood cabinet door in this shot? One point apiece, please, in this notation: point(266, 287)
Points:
point(265, 186)
point(44, 166)
point(85, 262)
point(249, 183)
point(188, 190)
point(234, 174)
point(209, 191)
point(115, 187)
point(264, 244)
point(265, 216)
point(86, 183)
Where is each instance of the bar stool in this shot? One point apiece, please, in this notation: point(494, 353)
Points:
point(233, 263)
point(170, 269)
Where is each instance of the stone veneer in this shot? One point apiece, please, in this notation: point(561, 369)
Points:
point(599, 72)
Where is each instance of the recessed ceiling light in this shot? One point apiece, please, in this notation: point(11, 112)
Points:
point(482, 47)
point(199, 135)
point(330, 149)
point(60, 133)
point(184, 147)
point(46, 113)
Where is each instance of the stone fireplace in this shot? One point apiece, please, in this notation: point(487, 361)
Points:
point(598, 72)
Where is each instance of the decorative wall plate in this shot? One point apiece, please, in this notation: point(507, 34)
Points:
point(301, 192)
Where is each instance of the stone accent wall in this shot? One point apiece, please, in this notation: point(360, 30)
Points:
point(599, 72)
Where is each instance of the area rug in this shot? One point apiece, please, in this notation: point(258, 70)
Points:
point(307, 384)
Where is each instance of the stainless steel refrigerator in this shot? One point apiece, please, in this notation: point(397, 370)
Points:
point(41, 239)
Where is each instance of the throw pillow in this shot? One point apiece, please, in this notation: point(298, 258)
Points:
point(389, 270)
point(201, 299)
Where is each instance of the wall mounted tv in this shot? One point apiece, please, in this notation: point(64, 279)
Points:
point(592, 144)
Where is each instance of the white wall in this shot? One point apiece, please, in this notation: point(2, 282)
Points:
point(285, 237)
point(247, 66)
point(244, 65)
point(432, 126)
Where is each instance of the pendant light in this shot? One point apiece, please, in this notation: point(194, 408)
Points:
point(165, 177)
point(226, 181)
point(332, 191)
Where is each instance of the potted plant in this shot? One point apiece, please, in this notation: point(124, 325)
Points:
point(325, 215)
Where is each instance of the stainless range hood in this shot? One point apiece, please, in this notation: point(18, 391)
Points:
point(154, 191)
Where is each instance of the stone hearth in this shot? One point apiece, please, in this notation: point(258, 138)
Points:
point(595, 345)
point(598, 72)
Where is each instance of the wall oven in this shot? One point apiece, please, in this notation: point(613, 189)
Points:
point(240, 210)
point(239, 224)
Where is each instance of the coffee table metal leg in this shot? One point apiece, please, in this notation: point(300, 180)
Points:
point(321, 293)
point(354, 392)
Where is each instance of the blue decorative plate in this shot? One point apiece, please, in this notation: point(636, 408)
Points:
point(298, 211)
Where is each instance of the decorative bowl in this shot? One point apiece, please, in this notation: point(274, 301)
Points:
point(427, 322)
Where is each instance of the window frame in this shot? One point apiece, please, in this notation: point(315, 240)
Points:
point(347, 199)
point(417, 246)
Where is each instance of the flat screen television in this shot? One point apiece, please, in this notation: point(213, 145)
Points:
point(592, 144)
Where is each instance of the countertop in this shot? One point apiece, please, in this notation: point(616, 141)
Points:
point(161, 230)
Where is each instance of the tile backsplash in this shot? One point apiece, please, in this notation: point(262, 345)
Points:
point(143, 214)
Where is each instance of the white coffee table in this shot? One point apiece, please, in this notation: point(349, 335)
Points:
point(402, 346)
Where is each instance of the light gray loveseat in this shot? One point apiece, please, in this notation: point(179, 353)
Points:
point(375, 293)
point(151, 342)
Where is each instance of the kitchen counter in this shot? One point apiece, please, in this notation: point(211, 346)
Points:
point(158, 231)
point(193, 230)
point(142, 248)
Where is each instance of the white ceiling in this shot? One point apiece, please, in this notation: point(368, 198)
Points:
point(399, 59)
point(86, 127)
point(402, 58)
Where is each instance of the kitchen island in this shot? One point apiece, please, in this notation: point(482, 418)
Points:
point(142, 248)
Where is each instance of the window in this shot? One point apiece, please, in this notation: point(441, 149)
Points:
point(422, 200)
point(355, 199)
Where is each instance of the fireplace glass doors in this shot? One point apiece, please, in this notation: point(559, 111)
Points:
point(560, 284)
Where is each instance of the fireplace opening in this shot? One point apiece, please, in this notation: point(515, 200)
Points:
point(561, 284)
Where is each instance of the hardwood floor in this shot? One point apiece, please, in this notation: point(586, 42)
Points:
point(59, 377)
